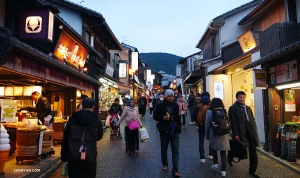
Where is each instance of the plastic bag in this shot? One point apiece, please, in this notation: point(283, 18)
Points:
point(144, 133)
point(107, 122)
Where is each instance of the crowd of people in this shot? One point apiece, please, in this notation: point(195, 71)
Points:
point(170, 110)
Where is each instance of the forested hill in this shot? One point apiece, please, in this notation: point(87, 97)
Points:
point(161, 61)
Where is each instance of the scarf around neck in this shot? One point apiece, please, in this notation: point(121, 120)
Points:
point(244, 110)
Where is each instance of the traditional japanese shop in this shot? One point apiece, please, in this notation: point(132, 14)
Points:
point(281, 96)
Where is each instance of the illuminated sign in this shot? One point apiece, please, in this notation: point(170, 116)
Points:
point(135, 61)
point(37, 25)
point(122, 70)
point(247, 41)
point(67, 49)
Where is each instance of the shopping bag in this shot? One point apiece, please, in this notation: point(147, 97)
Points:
point(238, 150)
point(143, 133)
point(107, 122)
point(133, 125)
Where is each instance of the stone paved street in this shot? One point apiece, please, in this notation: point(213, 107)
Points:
point(113, 162)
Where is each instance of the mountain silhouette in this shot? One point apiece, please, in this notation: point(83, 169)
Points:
point(161, 61)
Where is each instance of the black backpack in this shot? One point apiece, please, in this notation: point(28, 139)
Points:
point(83, 137)
point(220, 122)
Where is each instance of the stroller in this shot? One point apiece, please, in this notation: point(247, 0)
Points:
point(114, 129)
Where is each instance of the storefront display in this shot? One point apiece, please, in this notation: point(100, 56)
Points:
point(108, 93)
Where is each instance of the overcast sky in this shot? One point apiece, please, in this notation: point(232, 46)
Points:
point(170, 26)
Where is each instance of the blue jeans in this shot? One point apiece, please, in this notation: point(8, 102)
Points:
point(174, 143)
point(201, 132)
point(191, 112)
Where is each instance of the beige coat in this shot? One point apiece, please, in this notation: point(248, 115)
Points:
point(130, 115)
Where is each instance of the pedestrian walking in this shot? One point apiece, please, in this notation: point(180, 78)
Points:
point(84, 118)
point(244, 129)
point(151, 102)
point(131, 115)
point(167, 115)
point(115, 108)
point(142, 103)
point(217, 142)
point(176, 94)
point(200, 115)
point(191, 102)
point(79, 107)
point(182, 110)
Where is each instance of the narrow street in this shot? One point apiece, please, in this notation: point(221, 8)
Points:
point(113, 162)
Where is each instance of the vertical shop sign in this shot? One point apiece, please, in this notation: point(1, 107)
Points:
point(135, 61)
point(122, 70)
point(109, 70)
point(287, 72)
point(219, 90)
point(178, 70)
point(260, 79)
point(289, 100)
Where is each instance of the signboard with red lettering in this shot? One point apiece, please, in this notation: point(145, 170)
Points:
point(287, 72)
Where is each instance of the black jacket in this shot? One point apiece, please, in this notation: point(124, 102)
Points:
point(87, 169)
point(43, 109)
point(115, 108)
point(160, 112)
point(235, 115)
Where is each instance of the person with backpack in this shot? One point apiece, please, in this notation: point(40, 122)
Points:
point(191, 104)
point(244, 129)
point(131, 114)
point(199, 115)
point(218, 140)
point(79, 144)
point(142, 105)
point(168, 125)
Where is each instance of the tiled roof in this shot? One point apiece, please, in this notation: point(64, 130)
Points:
point(273, 55)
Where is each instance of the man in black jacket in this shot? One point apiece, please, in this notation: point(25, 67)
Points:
point(84, 117)
point(167, 114)
point(244, 129)
point(43, 108)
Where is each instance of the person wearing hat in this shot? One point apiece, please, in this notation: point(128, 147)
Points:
point(168, 124)
point(79, 107)
point(84, 117)
point(142, 105)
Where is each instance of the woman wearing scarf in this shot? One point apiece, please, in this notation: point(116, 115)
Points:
point(131, 113)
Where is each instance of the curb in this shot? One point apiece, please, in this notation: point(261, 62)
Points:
point(278, 159)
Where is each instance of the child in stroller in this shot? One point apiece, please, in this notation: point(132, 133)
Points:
point(114, 129)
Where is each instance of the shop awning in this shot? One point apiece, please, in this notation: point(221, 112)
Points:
point(123, 89)
point(193, 77)
point(233, 62)
point(274, 55)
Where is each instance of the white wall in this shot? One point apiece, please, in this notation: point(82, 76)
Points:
point(258, 104)
point(210, 79)
point(230, 31)
point(70, 16)
point(214, 66)
point(2, 12)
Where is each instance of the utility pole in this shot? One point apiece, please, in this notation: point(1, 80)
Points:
point(81, 2)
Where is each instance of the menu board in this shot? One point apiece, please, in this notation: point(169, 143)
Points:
point(8, 110)
point(27, 91)
point(9, 91)
point(18, 91)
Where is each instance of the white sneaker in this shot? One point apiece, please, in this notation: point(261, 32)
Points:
point(150, 115)
point(202, 161)
point(192, 123)
point(210, 157)
point(223, 173)
point(215, 166)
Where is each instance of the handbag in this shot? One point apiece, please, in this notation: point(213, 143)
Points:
point(144, 133)
point(133, 125)
point(238, 150)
